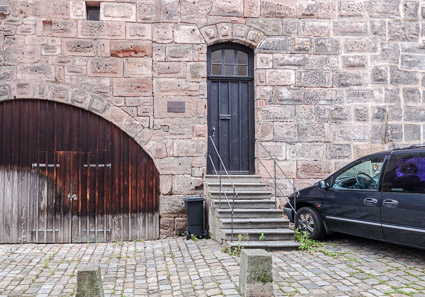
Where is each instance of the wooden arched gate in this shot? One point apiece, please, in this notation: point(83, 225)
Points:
point(67, 175)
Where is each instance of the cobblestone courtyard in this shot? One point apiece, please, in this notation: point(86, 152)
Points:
point(345, 266)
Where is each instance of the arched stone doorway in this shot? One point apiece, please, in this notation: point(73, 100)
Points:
point(68, 175)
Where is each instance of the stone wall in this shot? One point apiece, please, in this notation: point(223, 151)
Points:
point(334, 79)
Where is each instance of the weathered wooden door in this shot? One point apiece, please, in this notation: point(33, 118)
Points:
point(231, 108)
point(67, 175)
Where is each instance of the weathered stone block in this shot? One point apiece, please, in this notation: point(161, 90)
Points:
point(251, 8)
point(379, 113)
point(43, 71)
point(309, 132)
point(7, 73)
point(392, 95)
point(240, 31)
point(353, 132)
point(163, 33)
point(383, 8)
point(286, 95)
point(350, 28)
point(378, 28)
point(187, 34)
point(403, 31)
point(112, 67)
point(285, 132)
point(282, 60)
point(315, 169)
point(361, 114)
point(274, 44)
point(305, 151)
point(338, 151)
point(175, 87)
point(196, 71)
point(324, 96)
point(315, 28)
point(57, 28)
point(413, 62)
point(326, 46)
point(98, 29)
point(395, 113)
point(411, 95)
point(412, 133)
point(269, 26)
point(410, 10)
point(227, 7)
point(277, 8)
point(399, 77)
point(117, 12)
point(300, 45)
point(314, 79)
point(414, 113)
point(280, 77)
point(390, 53)
point(323, 62)
point(89, 280)
point(5, 91)
point(360, 45)
point(174, 165)
point(170, 69)
point(354, 61)
point(148, 10)
point(291, 27)
point(132, 87)
point(138, 31)
point(123, 49)
point(263, 61)
point(138, 67)
point(78, 10)
point(332, 114)
point(79, 47)
point(276, 113)
point(379, 75)
point(256, 277)
point(351, 8)
point(364, 96)
point(179, 53)
point(166, 227)
point(170, 10)
point(350, 79)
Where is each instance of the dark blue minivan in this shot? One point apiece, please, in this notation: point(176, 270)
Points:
point(380, 196)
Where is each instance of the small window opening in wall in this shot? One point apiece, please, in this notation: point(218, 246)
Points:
point(93, 10)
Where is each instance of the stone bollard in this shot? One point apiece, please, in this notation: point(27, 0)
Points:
point(256, 278)
point(89, 281)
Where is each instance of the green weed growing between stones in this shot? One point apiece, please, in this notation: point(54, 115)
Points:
point(306, 243)
point(262, 237)
point(193, 237)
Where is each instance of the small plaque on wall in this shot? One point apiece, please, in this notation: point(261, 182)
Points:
point(176, 106)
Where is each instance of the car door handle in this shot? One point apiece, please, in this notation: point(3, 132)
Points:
point(370, 201)
point(390, 203)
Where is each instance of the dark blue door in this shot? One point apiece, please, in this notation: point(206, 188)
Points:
point(231, 108)
point(403, 199)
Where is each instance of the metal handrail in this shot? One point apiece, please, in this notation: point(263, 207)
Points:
point(274, 178)
point(235, 192)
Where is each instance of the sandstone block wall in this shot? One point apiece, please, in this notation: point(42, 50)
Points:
point(334, 79)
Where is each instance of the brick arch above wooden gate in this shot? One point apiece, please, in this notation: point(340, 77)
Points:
point(68, 175)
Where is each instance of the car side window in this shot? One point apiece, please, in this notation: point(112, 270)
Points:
point(363, 175)
point(405, 173)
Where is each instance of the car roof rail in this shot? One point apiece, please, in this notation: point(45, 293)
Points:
point(414, 146)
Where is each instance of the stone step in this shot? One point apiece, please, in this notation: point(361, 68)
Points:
point(234, 178)
point(254, 234)
point(249, 213)
point(266, 245)
point(244, 204)
point(254, 223)
point(253, 187)
point(243, 195)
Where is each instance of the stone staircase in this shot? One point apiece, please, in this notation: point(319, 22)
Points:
point(254, 214)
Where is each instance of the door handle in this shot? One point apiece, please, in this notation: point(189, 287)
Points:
point(72, 197)
point(370, 201)
point(213, 132)
point(390, 203)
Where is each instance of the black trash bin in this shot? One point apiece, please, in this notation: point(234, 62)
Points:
point(195, 216)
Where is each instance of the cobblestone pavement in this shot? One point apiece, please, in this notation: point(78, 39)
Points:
point(345, 266)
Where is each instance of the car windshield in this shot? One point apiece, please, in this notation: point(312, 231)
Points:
point(361, 175)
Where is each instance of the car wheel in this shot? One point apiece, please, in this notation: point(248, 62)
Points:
point(308, 219)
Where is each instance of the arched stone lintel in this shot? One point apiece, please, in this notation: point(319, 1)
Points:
point(229, 32)
point(93, 102)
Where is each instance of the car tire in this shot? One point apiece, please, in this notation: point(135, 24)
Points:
point(308, 219)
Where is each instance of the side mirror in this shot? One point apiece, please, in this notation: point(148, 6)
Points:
point(323, 185)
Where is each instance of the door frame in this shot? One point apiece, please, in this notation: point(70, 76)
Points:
point(251, 106)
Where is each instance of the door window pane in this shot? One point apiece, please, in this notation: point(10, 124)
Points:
point(229, 62)
point(405, 173)
point(216, 57)
point(361, 176)
point(243, 70)
point(242, 58)
point(229, 70)
point(216, 69)
point(229, 57)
